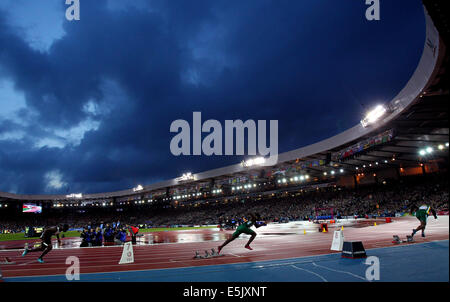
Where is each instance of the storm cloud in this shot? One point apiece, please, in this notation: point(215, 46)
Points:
point(86, 106)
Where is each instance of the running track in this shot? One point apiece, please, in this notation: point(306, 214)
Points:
point(281, 252)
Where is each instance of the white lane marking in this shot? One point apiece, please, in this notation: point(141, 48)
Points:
point(26, 263)
point(325, 280)
point(338, 271)
point(235, 255)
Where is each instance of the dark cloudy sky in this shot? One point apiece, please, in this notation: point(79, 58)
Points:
point(86, 106)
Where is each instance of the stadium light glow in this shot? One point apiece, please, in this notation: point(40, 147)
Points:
point(73, 195)
point(253, 162)
point(373, 115)
point(341, 170)
point(422, 152)
point(332, 172)
point(186, 176)
point(446, 144)
point(138, 188)
point(440, 147)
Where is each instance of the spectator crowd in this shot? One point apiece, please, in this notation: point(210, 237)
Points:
point(107, 234)
point(375, 200)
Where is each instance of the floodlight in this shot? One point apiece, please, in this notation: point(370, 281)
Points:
point(373, 115)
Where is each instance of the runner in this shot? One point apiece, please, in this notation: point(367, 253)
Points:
point(422, 214)
point(46, 241)
point(245, 228)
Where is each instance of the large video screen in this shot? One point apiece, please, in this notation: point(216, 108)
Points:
point(31, 208)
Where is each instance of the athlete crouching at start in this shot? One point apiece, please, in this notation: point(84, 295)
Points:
point(46, 241)
point(253, 220)
point(422, 214)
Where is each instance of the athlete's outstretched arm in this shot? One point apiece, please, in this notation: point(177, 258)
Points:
point(259, 224)
point(434, 213)
point(57, 237)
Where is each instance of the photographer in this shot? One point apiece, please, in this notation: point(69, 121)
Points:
point(121, 237)
point(84, 235)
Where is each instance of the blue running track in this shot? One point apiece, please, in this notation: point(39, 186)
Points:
point(424, 262)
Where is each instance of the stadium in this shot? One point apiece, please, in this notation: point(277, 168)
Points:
point(327, 207)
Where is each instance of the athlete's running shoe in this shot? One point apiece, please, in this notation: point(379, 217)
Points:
point(40, 260)
point(248, 247)
point(25, 252)
point(218, 250)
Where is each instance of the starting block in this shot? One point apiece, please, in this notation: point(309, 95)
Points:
point(6, 260)
point(207, 254)
point(397, 239)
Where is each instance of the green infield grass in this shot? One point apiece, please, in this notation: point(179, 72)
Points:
point(21, 236)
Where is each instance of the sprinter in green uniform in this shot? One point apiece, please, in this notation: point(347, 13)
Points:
point(422, 214)
point(244, 228)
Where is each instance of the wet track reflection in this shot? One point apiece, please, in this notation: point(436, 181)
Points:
point(203, 235)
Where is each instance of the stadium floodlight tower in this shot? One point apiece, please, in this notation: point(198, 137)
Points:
point(374, 115)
